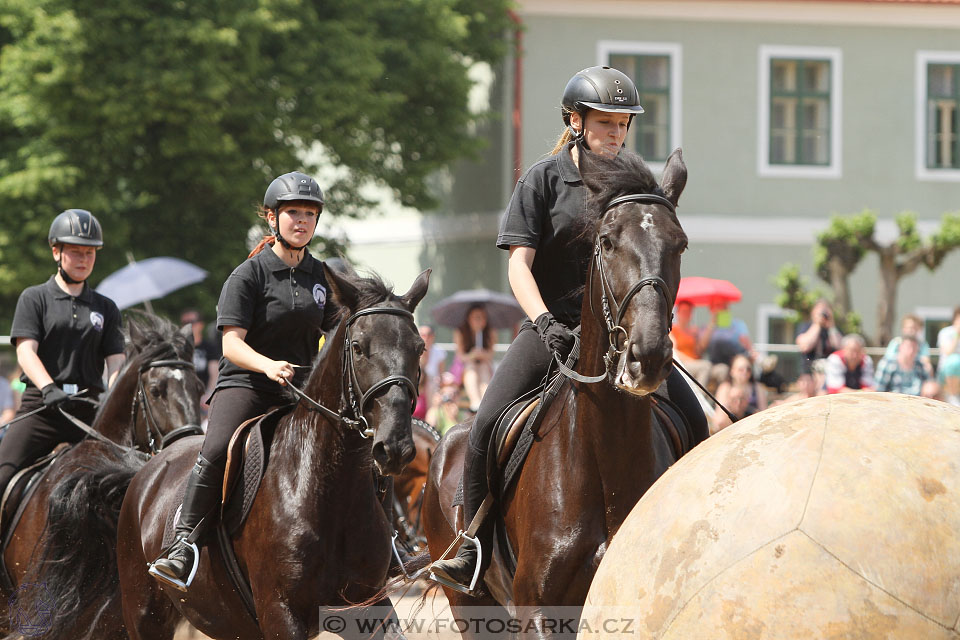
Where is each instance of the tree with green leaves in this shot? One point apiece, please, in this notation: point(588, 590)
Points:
point(840, 248)
point(167, 120)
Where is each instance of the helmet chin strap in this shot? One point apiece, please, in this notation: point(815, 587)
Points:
point(63, 274)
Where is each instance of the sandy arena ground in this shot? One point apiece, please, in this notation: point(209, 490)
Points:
point(435, 606)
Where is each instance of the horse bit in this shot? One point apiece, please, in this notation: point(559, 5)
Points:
point(153, 432)
point(607, 298)
point(358, 421)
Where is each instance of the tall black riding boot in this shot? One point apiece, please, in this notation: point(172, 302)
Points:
point(398, 555)
point(460, 568)
point(198, 513)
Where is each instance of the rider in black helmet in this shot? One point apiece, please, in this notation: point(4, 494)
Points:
point(272, 311)
point(65, 334)
point(546, 269)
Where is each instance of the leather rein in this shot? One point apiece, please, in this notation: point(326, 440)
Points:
point(351, 413)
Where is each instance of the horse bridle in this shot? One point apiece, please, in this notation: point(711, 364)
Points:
point(152, 431)
point(357, 398)
point(607, 298)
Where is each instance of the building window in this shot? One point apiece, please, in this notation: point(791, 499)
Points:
point(943, 95)
point(799, 112)
point(655, 68)
point(650, 133)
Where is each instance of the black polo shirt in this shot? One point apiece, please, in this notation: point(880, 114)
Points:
point(284, 311)
point(75, 334)
point(545, 213)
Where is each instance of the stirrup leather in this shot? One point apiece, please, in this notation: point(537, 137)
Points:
point(468, 590)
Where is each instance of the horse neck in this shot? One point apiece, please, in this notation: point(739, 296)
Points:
point(113, 418)
point(611, 427)
point(322, 454)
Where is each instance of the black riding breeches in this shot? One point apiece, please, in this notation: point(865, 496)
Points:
point(229, 408)
point(35, 436)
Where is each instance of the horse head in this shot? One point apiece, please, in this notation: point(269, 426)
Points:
point(381, 361)
point(160, 377)
point(635, 268)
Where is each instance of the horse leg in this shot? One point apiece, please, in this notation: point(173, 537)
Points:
point(483, 613)
point(147, 613)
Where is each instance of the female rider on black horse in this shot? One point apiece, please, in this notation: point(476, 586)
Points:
point(64, 332)
point(546, 267)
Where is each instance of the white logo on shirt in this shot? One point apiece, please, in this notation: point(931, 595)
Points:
point(96, 319)
point(319, 295)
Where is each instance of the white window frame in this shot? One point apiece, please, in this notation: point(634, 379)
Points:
point(924, 60)
point(607, 47)
point(764, 168)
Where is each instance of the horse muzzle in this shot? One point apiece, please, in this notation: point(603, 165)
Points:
point(391, 457)
point(641, 371)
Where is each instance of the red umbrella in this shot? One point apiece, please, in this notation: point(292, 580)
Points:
point(707, 291)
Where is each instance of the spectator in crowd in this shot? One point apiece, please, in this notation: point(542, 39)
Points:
point(8, 401)
point(849, 368)
point(818, 337)
point(948, 375)
point(805, 387)
point(206, 352)
point(741, 375)
point(730, 336)
point(905, 373)
point(911, 325)
point(444, 411)
point(948, 342)
point(736, 399)
point(769, 376)
point(474, 340)
point(689, 342)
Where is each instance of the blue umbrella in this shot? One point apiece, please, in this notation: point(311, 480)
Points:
point(148, 280)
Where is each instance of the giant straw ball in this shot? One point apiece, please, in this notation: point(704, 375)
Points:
point(833, 517)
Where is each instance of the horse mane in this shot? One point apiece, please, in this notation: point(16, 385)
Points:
point(147, 338)
point(608, 178)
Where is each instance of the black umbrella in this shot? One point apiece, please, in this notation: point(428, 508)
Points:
point(503, 311)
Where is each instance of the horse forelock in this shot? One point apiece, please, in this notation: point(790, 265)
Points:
point(156, 338)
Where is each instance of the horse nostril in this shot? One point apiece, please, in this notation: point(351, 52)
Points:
point(380, 454)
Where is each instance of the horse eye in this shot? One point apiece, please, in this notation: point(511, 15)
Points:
point(155, 390)
point(606, 243)
point(356, 348)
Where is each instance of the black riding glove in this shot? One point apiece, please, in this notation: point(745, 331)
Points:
point(53, 395)
point(555, 335)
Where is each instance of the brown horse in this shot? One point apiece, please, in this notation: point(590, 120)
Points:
point(156, 396)
point(316, 533)
point(409, 486)
point(598, 449)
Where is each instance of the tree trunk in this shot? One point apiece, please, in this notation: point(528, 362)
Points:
point(839, 282)
point(887, 300)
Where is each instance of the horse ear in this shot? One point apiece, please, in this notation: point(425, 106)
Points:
point(135, 333)
point(187, 332)
point(674, 176)
point(344, 292)
point(417, 290)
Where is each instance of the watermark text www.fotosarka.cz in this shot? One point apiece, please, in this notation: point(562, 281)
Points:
point(480, 622)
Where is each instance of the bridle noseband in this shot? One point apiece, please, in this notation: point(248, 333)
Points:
point(357, 398)
point(152, 430)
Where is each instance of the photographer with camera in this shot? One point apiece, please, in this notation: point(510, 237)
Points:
point(819, 337)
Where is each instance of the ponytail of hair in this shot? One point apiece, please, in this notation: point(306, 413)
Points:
point(562, 141)
point(267, 239)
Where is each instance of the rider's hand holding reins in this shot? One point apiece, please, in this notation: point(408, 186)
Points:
point(555, 335)
point(53, 395)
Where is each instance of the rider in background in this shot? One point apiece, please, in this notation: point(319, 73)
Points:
point(546, 269)
point(65, 333)
point(272, 311)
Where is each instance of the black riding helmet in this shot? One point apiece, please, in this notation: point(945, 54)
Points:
point(74, 226)
point(600, 88)
point(289, 187)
